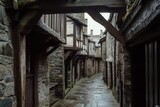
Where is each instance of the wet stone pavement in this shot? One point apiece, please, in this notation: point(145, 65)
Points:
point(89, 92)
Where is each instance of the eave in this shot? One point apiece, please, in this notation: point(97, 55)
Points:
point(77, 21)
point(102, 40)
point(42, 28)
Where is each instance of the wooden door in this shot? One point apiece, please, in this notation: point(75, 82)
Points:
point(29, 90)
point(30, 80)
point(152, 62)
point(138, 75)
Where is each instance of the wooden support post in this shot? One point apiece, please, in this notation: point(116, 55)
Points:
point(19, 31)
point(28, 21)
point(19, 66)
point(110, 28)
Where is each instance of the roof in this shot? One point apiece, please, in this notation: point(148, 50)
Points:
point(86, 35)
point(77, 20)
point(102, 39)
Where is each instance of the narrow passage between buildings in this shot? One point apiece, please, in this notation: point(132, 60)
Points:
point(89, 92)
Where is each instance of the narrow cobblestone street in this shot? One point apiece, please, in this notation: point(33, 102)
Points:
point(89, 92)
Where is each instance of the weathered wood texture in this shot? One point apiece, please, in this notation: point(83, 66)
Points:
point(110, 28)
point(28, 21)
point(19, 65)
point(53, 34)
point(141, 19)
point(70, 6)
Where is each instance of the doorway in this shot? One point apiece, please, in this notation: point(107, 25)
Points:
point(138, 75)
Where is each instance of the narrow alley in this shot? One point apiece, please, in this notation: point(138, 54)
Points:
point(89, 92)
point(79, 53)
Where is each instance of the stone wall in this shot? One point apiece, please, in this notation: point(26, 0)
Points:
point(43, 83)
point(126, 79)
point(104, 51)
point(7, 92)
point(56, 70)
point(96, 66)
point(102, 66)
point(90, 68)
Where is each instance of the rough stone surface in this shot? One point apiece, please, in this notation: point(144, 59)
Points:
point(43, 83)
point(127, 80)
point(56, 70)
point(6, 81)
point(7, 92)
point(6, 102)
point(89, 92)
point(89, 67)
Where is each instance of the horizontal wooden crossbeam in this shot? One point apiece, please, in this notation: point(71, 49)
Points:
point(72, 6)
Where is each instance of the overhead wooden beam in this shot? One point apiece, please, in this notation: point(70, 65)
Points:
point(53, 49)
point(72, 6)
point(109, 27)
point(67, 54)
point(28, 21)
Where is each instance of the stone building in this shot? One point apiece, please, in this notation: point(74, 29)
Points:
point(26, 43)
point(75, 25)
point(94, 61)
point(135, 63)
point(112, 55)
point(102, 43)
point(141, 33)
point(26, 78)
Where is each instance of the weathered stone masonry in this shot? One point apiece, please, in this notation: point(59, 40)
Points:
point(7, 92)
point(56, 70)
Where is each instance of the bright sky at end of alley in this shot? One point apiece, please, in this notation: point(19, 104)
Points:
point(94, 25)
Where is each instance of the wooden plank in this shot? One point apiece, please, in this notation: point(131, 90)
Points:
point(67, 54)
point(109, 27)
point(53, 49)
point(58, 6)
point(151, 82)
point(147, 74)
point(28, 21)
point(42, 28)
point(19, 65)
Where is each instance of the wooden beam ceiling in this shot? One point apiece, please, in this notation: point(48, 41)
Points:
point(73, 6)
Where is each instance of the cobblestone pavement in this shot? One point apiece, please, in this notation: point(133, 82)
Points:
point(89, 92)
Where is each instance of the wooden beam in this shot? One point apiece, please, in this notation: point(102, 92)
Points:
point(19, 31)
point(19, 46)
point(53, 49)
point(42, 28)
point(67, 54)
point(28, 21)
point(74, 6)
point(109, 27)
